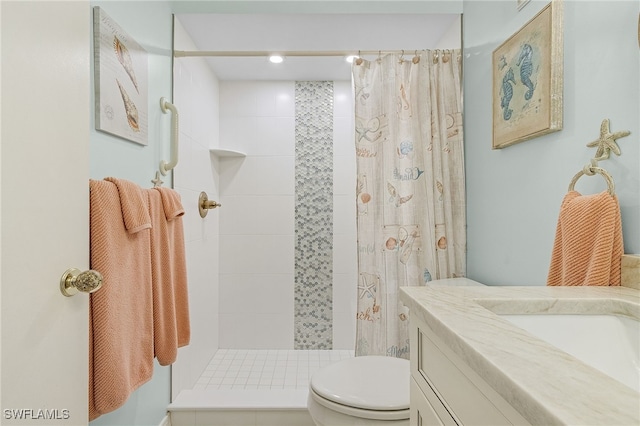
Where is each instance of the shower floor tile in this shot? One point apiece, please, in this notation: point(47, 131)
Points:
point(240, 369)
point(254, 383)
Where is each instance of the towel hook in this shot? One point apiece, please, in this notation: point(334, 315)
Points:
point(167, 106)
point(607, 142)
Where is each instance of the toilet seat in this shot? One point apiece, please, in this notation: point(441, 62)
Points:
point(370, 387)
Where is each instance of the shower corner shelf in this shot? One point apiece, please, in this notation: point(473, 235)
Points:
point(226, 153)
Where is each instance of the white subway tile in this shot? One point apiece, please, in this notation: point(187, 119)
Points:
point(258, 293)
point(190, 220)
point(344, 331)
point(344, 175)
point(259, 176)
point(274, 331)
point(343, 137)
point(344, 215)
point(251, 214)
point(342, 99)
point(238, 133)
point(273, 136)
point(285, 99)
point(182, 177)
point(201, 172)
point(275, 294)
point(264, 93)
point(237, 99)
point(236, 296)
point(256, 254)
point(345, 254)
point(345, 293)
point(237, 330)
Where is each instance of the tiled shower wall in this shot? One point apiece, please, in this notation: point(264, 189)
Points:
point(257, 220)
point(196, 97)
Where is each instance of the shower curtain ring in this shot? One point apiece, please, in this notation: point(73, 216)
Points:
point(416, 58)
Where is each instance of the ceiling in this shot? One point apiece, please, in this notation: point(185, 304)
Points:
point(309, 33)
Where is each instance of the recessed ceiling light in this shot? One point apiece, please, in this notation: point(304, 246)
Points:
point(276, 59)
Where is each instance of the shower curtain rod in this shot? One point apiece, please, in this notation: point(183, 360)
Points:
point(185, 53)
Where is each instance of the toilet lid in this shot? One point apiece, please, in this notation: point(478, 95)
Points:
point(368, 382)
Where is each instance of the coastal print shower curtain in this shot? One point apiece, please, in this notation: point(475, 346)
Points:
point(410, 188)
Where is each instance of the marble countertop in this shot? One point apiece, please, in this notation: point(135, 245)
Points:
point(546, 385)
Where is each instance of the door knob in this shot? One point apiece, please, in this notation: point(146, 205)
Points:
point(73, 280)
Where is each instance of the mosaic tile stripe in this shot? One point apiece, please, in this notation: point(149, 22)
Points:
point(313, 271)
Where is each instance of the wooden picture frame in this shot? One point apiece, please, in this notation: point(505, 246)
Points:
point(528, 80)
point(522, 3)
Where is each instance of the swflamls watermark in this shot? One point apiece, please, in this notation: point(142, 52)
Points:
point(36, 414)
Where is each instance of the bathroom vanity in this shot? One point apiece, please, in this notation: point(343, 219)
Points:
point(471, 365)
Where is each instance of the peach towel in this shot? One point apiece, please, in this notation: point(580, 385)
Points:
point(588, 244)
point(120, 313)
point(169, 275)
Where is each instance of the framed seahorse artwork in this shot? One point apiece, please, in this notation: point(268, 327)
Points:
point(528, 80)
point(120, 69)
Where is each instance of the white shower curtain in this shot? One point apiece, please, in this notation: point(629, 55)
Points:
point(410, 188)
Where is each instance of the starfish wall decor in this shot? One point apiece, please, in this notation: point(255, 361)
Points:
point(606, 143)
point(157, 181)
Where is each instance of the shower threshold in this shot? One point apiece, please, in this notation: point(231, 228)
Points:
point(253, 387)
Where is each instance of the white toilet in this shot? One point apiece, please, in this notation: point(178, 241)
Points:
point(365, 390)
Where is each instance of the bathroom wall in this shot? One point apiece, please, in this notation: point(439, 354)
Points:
point(196, 95)
point(514, 194)
point(257, 218)
point(149, 23)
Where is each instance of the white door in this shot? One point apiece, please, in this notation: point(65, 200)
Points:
point(45, 205)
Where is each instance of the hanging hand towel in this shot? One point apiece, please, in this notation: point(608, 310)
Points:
point(588, 244)
point(121, 323)
point(168, 263)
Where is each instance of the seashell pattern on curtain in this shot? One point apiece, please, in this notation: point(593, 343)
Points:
point(410, 188)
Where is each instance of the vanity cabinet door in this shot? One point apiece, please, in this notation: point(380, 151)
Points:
point(454, 391)
point(423, 413)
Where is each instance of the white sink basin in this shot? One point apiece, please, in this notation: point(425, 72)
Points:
point(608, 343)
